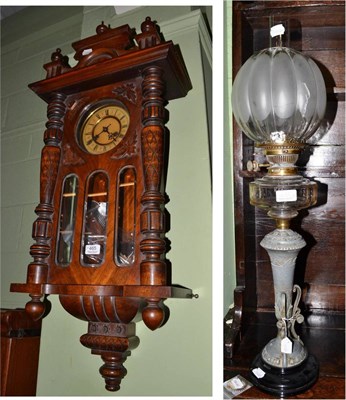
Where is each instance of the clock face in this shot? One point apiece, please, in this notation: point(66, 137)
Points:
point(104, 128)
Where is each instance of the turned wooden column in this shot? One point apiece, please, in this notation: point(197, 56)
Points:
point(42, 227)
point(153, 246)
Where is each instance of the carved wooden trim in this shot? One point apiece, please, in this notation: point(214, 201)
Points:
point(106, 329)
point(126, 148)
point(106, 44)
point(150, 35)
point(113, 342)
point(128, 91)
point(59, 64)
point(70, 157)
point(101, 309)
point(75, 105)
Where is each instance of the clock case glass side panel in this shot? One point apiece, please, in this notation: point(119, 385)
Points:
point(126, 217)
point(95, 217)
point(67, 220)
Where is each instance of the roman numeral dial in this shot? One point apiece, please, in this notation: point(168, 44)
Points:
point(104, 128)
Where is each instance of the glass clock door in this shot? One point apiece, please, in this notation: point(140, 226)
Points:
point(95, 220)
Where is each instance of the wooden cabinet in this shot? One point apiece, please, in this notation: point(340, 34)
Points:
point(20, 347)
point(318, 30)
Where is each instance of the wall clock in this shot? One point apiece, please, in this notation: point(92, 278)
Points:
point(100, 229)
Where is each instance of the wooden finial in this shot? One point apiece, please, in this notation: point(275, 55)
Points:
point(102, 28)
point(150, 35)
point(58, 64)
point(148, 25)
point(56, 55)
point(153, 314)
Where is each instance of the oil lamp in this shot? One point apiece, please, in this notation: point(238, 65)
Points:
point(279, 100)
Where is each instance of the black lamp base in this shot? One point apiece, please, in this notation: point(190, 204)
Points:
point(285, 381)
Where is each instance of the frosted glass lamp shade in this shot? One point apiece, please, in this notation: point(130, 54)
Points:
point(279, 97)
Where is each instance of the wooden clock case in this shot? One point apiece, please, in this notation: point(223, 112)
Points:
point(318, 29)
point(140, 73)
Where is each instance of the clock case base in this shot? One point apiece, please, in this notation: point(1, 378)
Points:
point(113, 341)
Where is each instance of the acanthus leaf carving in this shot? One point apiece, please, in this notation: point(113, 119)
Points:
point(128, 91)
point(152, 142)
point(125, 148)
point(71, 158)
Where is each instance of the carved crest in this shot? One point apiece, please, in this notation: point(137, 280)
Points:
point(128, 91)
point(70, 158)
point(126, 149)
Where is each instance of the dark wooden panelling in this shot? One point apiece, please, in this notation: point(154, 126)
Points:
point(331, 62)
point(323, 225)
point(20, 345)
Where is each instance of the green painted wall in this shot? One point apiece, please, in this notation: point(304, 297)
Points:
point(177, 359)
point(229, 246)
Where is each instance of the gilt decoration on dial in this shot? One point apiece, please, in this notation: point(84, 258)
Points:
point(104, 128)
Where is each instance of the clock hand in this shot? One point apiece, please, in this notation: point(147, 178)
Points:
point(94, 138)
point(113, 135)
point(105, 128)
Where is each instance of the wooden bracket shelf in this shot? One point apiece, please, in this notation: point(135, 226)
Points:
point(145, 291)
